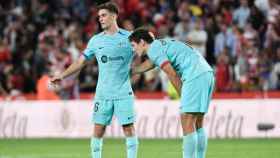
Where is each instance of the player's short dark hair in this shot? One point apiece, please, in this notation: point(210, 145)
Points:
point(139, 34)
point(111, 7)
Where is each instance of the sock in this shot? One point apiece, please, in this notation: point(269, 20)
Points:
point(96, 147)
point(132, 147)
point(190, 145)
point(201, 143)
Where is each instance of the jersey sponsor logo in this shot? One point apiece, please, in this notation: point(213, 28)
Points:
point(100, 47)
point(105, 59)
point(116, 58)
point(121, 44)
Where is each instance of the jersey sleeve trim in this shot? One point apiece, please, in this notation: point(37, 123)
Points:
point(164, 63)
point(87, 57)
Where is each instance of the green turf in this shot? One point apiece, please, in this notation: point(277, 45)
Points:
point(115, 148)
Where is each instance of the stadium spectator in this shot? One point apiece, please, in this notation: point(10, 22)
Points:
point(275, 73)
point(211, 28)
point(257, 21)
point(241, 14)
point(241, 71)
point(5, 53)
point(221, 39)
point(128, 25)
point(182, 28)
point(264, 70)
point(227, 15)
point(3, 91)
point(198, 37)
point(223, 72)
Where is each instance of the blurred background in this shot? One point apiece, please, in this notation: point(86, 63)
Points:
point(39, 38)
point(240, 39)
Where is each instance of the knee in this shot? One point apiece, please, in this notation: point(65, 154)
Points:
point(188, 128)
point(98, 134)
point(128, 130)
point(188, 123)
point(99, 131)
point(199, 122)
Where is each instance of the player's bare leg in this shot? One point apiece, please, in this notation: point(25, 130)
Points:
point(99, 130)
point(131, 140)
point(96, 141)
point(202, 139)
point(188, 121)
point(128, 130)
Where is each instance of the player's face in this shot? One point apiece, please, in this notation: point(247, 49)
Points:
point(138, 48)
point(106, 18)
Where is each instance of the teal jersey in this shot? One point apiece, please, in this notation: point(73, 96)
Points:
point(187, 61)
point(114, 56)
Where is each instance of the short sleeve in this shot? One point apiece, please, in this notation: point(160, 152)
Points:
point(157, 55)
point(90, 50)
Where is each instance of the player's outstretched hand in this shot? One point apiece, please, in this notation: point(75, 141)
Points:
point(56, 80)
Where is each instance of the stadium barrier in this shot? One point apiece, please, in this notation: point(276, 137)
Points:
point(227, 118)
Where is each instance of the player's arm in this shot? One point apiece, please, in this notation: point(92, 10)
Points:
point(145, 66)
point(172, 76)
point(73, 68)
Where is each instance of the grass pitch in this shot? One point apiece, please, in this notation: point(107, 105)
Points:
point(115, 148)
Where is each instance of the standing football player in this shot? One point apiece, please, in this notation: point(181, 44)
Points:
point(114, 95)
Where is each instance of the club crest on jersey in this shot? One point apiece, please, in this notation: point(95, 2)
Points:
point(104, 59)
point(121, 44)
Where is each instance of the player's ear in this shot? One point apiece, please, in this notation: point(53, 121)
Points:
point(115, 16)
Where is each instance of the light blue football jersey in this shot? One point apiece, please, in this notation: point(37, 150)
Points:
point(114, 55)
point(187, 61)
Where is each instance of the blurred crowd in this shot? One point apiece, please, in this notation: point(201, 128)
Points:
point(40, 38)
